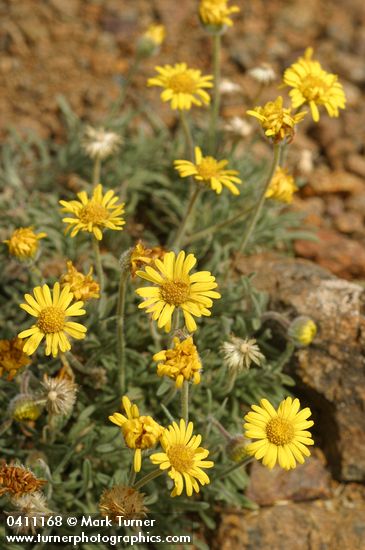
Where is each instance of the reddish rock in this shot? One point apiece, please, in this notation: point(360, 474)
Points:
point(350, 222)
point(306, 482)
point(340, 255)
point(305, 526)
point(356, 164)
point(322, 182)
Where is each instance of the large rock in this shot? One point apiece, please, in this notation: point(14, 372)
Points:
point(330, 374)
point(305, 526)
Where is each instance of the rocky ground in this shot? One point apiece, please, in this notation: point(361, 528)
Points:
point(82, 48)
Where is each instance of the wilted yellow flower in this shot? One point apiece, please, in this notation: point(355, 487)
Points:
point(183, 458)
point(302, 330)
point(282, 186)
point(23, 243)
point(122, 501)
point(18, 480)
point(12, 357)
point(175, 288)
point(281, 434)
point(52, 311)
point(209, 171)
point(156, 34)
point(100, 143)
point(313, 85)
point(83, 287)
point(184, 87)
point(139, 432)
point(94, 214)
point(180, 363)
point(141, 256)
point(276, 120)
point(217, 12)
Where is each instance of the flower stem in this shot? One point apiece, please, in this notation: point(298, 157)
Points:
point(99, 267)
point(185, 401)
point(184, 222)
point(188, 137)
point(261, 200)
point(120, 329)
point(216, 92)
point(216, 227)
point(275, 316)
point(220, 428)
point(147, 478)
point(96, 170)
point(132, 476)
point(243, 462)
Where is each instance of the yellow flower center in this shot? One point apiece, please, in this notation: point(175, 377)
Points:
point(313, 88)
point(51, 319)
point(181, 457)
point(175, 292)
point(93, 212)
point(208, 168)
point(279, 431)
point(182, 83)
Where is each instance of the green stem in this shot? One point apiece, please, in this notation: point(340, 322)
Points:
point(132, 476)
point(243, 462)
point(188, 136)
point(216, 227)
point(275, 316)
point(147, 478)
point(230, 382)
point(96, 170)
point(216, 92)
point(222, 430)
point(120, 329)
point(167, 412)
point(184, 222)
point(185, 401)
point(99, 267)
point(261, 200)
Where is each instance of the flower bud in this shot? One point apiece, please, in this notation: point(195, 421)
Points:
point(302, 331)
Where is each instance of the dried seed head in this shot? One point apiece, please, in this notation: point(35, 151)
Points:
point(18, 480)
point(60, 395)
point(29, 508)
point(239, 354)
point(122, 501)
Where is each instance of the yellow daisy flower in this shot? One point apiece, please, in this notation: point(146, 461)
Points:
point(183, 458)
point(282, 186)
point(313, 85)
point(52, 310)
point(184, 87)
point(277, 121)
point(94, 214)
point(177, 289)
point(139, 432)
point(281, 434)
point(23, 243)
point(209, 171)
point(82, 286)
point(217, 12)
point(180, 363)
point(12, 357)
